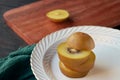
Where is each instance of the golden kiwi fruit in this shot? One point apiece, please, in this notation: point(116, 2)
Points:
point(85, 66)
point(70, 73)
point(76, 56)
point(58, 15)
point(71, 58)
point(80, 41)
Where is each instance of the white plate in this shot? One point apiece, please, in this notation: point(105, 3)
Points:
point(44, 58)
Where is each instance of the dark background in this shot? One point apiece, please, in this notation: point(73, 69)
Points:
point(9, 41)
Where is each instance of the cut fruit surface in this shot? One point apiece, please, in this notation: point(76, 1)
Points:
point(72, 59)
point(85, 66)
point(58, 15)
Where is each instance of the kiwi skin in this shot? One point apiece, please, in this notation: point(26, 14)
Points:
point(80, 41)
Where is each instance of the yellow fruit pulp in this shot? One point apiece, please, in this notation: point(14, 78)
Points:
point(86, 66)
point(58, 15)
point(71, 59)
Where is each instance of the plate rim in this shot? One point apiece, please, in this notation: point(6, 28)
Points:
point(116, 33)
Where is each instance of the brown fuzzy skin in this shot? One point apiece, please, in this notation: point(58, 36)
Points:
point(80, 41)
point(70, 73)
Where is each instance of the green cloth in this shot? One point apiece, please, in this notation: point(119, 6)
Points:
point(16, 66)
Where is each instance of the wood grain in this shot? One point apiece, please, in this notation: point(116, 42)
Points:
point(31, 24)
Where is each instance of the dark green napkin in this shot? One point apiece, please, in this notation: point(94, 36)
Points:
point(16, 66)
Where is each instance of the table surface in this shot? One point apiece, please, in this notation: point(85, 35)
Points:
point(9, 41)
point(31, 24)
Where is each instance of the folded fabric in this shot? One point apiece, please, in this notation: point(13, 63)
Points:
point(16, 66)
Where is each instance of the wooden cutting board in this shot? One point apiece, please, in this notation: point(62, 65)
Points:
point(31, 24)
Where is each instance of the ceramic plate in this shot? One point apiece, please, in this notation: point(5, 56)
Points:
point(44, 58)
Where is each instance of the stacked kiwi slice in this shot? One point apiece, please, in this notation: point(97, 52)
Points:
point(76, 55)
